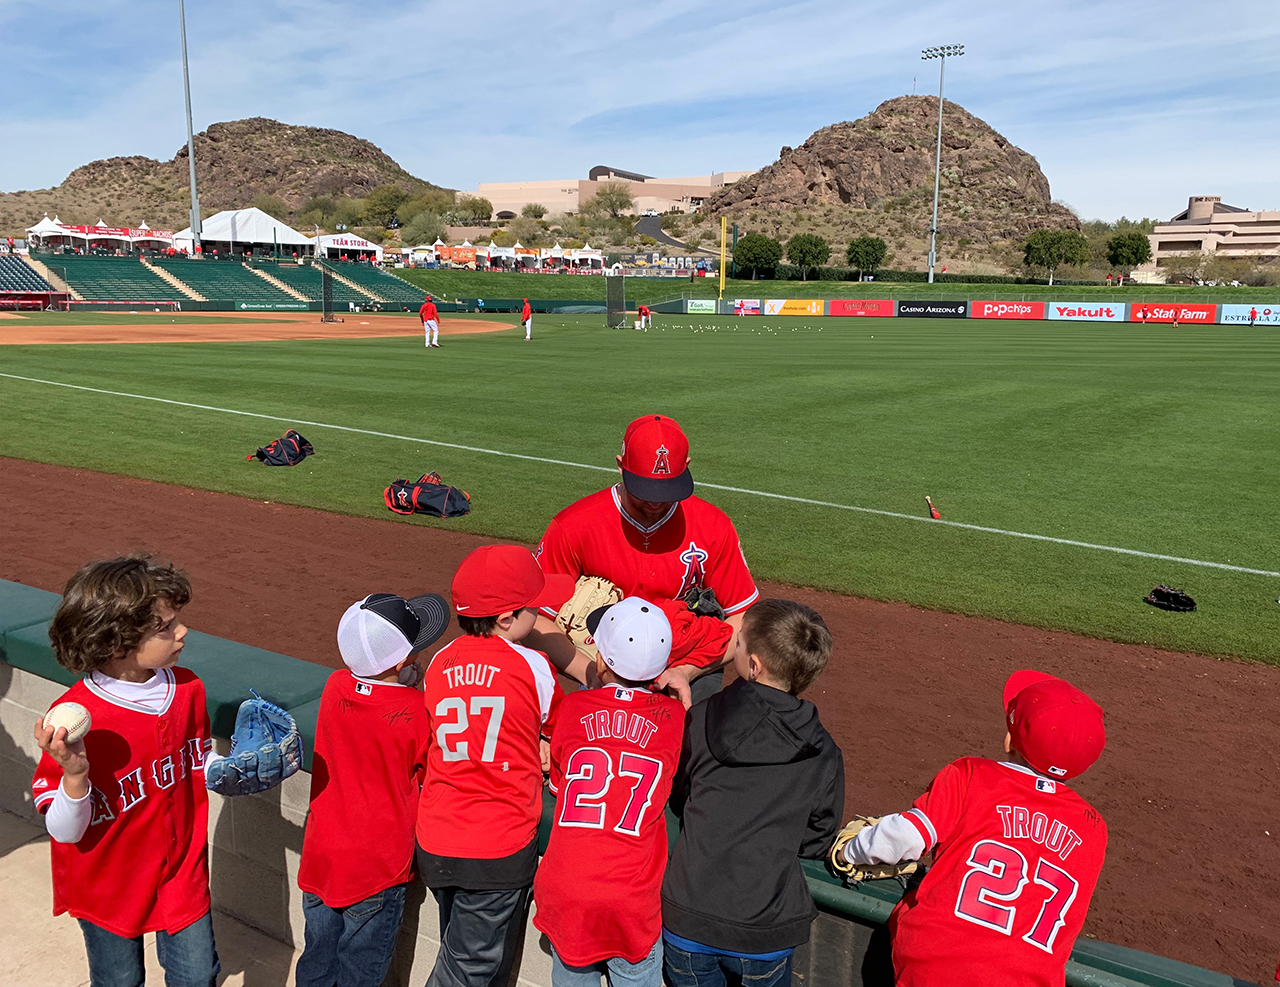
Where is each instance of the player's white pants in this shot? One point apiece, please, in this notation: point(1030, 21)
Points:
point(646, 322)
point(432, 330)
point(528, 328)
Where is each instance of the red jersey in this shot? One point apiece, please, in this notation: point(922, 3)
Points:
point(695, 544)
point(428, 312)
point(527, 311)
point(370, 756)
point(488, 702)
point(142, 865)
point(598, 888)
point(1017, 856)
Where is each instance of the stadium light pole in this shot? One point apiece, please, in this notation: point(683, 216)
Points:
point(191, 141)
point(940, 52)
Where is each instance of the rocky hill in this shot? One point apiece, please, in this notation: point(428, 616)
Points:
point(235, 161)
point(875, 176)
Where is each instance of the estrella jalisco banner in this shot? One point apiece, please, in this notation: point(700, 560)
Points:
point(1250, 315)
point(1006, 310)
point(1086, 311)
point(793, 306)
point(878, 308)
point(1173, 312)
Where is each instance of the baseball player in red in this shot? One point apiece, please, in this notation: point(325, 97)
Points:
point(653, 538)
point(526, 320)
point(614, 754)
point(126, 807)
point(1016, 852)
point(489, 700)
point(646, 317)
point(430, 321)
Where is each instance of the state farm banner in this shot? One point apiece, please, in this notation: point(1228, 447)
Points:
point(1173, 312)
point(933, 310)
point(1087, 311)
point(746, 306)
point(1007, 310)
point(1250, 315)
point(876, 308)
point(793, 306)
point(705, 306)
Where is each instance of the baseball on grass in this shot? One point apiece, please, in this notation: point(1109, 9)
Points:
point(73, 716)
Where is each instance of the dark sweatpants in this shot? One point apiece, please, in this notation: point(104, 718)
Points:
point(479, 936)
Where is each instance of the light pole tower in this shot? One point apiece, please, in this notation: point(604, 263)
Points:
point(941, 52)
point(191, 141)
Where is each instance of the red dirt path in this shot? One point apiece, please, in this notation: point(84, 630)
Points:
point(1186, 783)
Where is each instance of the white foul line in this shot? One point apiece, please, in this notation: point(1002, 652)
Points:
point(711, 486)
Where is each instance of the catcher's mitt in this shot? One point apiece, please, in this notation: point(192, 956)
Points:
point(265, 750)
point(590, 594)
point(857, 873)
point(703, 602)
point(1168, 598)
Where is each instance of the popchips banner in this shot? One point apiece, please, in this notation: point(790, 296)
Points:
point(1087, 311)
point(702, 306)
point(933, 310)
point(1007, 310)
point(746, 306)
point(1183, 314)
point(793, 306)
point(1250, 315)
point(881, 308)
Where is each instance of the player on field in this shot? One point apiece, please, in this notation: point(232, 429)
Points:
point(646, 317)
point(1016, 852)
point(526, 320)
point(653, 538)
point(613, 757)
point(430, 321)
point(488, 701)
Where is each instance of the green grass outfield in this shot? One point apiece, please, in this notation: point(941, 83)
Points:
point(1123, 435)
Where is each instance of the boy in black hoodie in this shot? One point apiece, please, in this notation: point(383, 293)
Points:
point(760, 781)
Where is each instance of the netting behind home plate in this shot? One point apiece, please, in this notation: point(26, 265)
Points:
point(615, 302)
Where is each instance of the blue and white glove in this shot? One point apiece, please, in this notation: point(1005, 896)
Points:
point(265, 750)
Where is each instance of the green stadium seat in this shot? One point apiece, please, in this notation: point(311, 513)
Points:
point(224, 281)
point(112, 279)
point(382, 284)
point(22, 605)
point(17, 275)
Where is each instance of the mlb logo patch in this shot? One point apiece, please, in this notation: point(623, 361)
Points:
point(1046, 785)
point(364, 689)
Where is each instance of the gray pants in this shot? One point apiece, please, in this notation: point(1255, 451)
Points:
point(480, 936)
point(707, 685)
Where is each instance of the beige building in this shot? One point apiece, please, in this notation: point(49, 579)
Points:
point(683, 194)
point(1207, 226)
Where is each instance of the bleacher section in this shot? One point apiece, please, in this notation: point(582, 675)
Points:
point(306, 279)
point(17, 275)
point(112, 279)
point(224, 280)
point(382, 284)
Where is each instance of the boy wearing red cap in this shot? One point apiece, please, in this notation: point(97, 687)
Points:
point(489, 701)
point(1016, 852)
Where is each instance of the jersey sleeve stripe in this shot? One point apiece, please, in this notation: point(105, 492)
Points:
point(922, 823)
point(544, 679)
point(755, 595)
point(46, 797)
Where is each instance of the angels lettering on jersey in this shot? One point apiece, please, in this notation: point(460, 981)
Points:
point(135, 786)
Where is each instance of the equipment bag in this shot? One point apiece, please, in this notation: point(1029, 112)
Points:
point(428, 495)
point(288, 450)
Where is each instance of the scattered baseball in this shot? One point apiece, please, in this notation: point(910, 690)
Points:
point(73, 716)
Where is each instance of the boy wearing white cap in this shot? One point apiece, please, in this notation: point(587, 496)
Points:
point(614, 753)
point(369, 759)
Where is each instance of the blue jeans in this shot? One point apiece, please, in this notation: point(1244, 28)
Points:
point(685, 969)
point(646, 973)
point(188, 957)
point(350, 946)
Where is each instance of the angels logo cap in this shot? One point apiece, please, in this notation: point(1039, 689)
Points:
point(1055, 726)
point(633, 637)
point(496, 578)
point(655, 460)
point(383, 629)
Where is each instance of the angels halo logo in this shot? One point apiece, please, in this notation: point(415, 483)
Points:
point(660, 464)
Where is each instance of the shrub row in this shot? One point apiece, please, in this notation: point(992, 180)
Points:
point(789, 272)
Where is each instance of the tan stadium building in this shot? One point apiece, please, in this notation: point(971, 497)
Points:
point(1208, 226)
point(569, 195)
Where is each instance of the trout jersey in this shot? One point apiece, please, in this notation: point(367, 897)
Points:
point(1016, 856)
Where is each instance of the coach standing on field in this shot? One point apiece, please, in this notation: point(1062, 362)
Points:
point(651, 537)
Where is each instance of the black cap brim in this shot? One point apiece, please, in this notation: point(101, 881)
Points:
point(433, 615)
point(659, 489)
point(595, 616)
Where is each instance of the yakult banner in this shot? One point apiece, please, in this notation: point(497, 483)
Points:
point(881, 308)
point(793, 306)
point(1182, 314)
point(1250, 315)
point(933, 310)
point(1007, 310)
point(746, 306)
point(1087, 311)
point(701, 306)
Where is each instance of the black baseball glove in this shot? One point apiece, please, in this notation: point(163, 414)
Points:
point(1168, 598)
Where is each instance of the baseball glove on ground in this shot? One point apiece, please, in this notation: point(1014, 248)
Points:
point(265, 750)
point(1168, 598)
point(857, 873)
point(591, 593)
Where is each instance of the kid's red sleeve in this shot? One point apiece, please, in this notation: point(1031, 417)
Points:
point(44, 785)
point(695, 640)
point(937, 812)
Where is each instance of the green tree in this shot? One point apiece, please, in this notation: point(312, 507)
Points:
point(694, 240)
point(425, 227)
point(757, 252)
point(475, 208)
point(1050, 249)
point(807, 251)
point(273, 206)
point(527, 230)
point(346, 214)
point(438, 201)
point(866, 253)
point(1128, 250)
point(533, 210)
point(612, 199)
point(325, 204)
point(381, 204)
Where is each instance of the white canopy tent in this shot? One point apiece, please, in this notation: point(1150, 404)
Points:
point(335, 245)
point(246, 227)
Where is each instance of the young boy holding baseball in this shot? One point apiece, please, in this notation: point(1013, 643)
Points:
point(489, 701)
point(368, 764)
point(760, 780)
point(1016, 852)
point(614, 754)
point(126, 806)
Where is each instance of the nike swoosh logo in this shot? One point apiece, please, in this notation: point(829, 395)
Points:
point(461, 608)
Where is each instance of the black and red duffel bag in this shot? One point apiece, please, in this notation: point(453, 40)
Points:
point(288, 450)
point(428, 495)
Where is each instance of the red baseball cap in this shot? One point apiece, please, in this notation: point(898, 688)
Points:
point(655, 460)
point(496, 578)
point(1055, 726)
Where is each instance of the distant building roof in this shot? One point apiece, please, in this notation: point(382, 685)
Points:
point(605, 171)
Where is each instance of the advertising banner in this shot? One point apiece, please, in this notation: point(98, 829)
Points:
point(702, 306)
point(1250, 315)
point(273, 306)
point(880, 308)
point(746, 306)
point(933, 310)
point(1173, 312)
point(1087, 311)
point(1007, 310)
point(793, 306)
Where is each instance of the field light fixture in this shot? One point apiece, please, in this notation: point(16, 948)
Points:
point(940, 52)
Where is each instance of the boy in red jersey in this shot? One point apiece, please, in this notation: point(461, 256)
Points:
point(488, 701)
point(1016, 852)
point(126, 807)
point(613, 757)
point(369, 760)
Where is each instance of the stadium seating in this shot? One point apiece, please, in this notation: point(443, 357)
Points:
point(112, 279)
point(382, 284)
point(224, 281)
point(306, 279)
point(17, 275)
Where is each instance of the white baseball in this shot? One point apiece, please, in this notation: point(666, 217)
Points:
point(73, 716)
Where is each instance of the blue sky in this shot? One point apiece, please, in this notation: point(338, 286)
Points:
point(1129, 106)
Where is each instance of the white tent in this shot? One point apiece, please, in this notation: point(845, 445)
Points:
point(243, 226)
point(334, 245)
point(47, 227)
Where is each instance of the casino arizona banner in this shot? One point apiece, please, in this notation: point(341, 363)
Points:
point(933, 310)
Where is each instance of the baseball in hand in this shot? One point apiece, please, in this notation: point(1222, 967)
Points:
point(73, 716)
